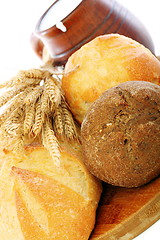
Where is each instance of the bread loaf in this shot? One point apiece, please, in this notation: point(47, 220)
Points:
point(103, 63)
point(41, 201)
point(121, 134)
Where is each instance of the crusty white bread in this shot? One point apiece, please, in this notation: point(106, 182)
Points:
point(40, 201)
point(105, 62)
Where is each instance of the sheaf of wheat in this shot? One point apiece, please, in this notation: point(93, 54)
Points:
point(34, 106)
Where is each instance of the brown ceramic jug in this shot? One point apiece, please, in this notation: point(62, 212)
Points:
point(63, 32)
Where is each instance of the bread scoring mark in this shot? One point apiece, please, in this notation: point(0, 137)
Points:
point(33, 206)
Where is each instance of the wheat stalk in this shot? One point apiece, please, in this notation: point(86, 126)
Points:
point(12, 105)
point(51, 143)
point(37, 126)
point(13, 126)
point(58, 122)
point(53, 91)
point(29, 118)
point(35, 106)
point(33, 95)
point(34, 73)
point(10, 94)
point(69, 125)
point(45, 103)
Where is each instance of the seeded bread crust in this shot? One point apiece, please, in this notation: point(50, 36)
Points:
point(121, 134)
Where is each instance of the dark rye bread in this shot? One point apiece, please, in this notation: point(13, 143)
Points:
point(121, 134)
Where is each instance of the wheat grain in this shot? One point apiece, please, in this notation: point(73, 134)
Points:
point(14, 119)
point(12, 128)
point(45, 102)
point(18, 81)
point(24, 81)
point(33, 95)
point(13, 122)
point(17, 115)
point(51, 143)
point(58, 123)
point(5, 115)
point(18, 144)
point(3, 85)
point(10, 94)
point(27, 77)
point(34, 73)
point(12, 137)
point(12, 105)
point(29, 118)
point(37, 127)
point(53, 92)
point(69, 125)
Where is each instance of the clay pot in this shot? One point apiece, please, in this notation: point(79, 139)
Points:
point(82, 22)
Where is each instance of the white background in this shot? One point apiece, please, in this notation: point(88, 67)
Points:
point(17, 21)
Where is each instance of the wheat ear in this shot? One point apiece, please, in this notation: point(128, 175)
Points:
point(51, 143)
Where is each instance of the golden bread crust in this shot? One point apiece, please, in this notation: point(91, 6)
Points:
point(39, 200)
point(103, 63)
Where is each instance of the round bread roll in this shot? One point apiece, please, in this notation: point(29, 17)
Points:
point(41, 201)
point(121, 134)
point(103, 63)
